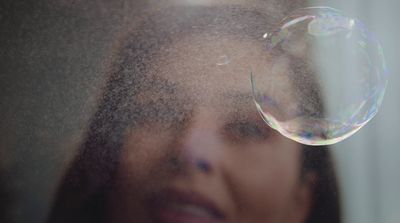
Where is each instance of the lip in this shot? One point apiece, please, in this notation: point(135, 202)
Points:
point(172, 206)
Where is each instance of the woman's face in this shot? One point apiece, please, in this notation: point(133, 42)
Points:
point(202, 153)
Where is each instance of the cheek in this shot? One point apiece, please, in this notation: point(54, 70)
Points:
point(138, 174)
point(264, 183)
point(142, 157)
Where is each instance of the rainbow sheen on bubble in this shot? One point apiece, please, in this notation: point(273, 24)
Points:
point(326, 78)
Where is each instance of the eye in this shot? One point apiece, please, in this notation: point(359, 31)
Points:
point(248, 130)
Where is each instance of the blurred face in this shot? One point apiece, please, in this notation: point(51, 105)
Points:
point(202, 153)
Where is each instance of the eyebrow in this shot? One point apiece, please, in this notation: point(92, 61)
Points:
point(241, 103)
point(241, 97)
point(245, 97)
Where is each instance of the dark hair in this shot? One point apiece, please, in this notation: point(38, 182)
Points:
point(81, 196)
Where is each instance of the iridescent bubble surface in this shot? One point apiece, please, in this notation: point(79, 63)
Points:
point(336, 73)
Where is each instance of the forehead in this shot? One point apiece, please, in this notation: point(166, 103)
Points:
point(216, 67)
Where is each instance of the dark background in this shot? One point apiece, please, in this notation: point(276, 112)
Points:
point(51, 58)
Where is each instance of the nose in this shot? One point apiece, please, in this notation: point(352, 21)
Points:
point(200, 145)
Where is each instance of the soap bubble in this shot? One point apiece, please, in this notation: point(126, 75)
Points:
point(326, 76)
point(223, 60)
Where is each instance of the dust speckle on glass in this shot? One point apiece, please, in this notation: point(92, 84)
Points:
point(177, 136)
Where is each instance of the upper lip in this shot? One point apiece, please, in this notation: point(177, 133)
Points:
point(168, 196)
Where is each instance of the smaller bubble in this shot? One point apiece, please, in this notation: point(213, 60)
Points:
point(223, 60)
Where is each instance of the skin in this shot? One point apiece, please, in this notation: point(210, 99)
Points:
point(255, 173)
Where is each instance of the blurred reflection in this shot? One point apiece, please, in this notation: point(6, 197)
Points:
point(177, 137)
